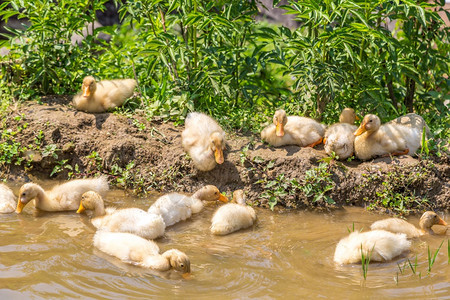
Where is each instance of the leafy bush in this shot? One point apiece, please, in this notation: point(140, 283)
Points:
point(213, 56)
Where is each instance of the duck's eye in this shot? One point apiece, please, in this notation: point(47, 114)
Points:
point(23, 194)
point(370, 120)
point(182, 265)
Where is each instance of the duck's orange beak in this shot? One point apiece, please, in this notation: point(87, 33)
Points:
point(223, 198)
point(279, 129)
point(357, 118)
point(442, 222)
point(218, 154)
point(81, 208)
point(186, 275)
point(20, 206)
point(361, 129)
point(86, 91)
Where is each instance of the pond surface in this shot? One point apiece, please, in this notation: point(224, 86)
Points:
point(50, 255)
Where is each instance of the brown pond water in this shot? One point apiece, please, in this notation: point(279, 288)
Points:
point(50, 255)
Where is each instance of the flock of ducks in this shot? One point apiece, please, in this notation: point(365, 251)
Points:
point(128, 233)
point(204, 139)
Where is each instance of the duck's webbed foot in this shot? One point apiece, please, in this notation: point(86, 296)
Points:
point(315, 143)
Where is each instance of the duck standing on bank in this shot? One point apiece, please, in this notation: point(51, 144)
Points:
point(204, 140)
point(293, 130)
point(97, 97)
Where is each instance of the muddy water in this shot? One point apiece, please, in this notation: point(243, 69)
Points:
point(50, 255)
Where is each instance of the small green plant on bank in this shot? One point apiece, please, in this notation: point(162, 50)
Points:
point(275, 189)
point(316, 183)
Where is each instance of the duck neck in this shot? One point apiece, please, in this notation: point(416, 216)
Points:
point(200, 194)
point(157, 262)
point(41, 196)
point(99, 208)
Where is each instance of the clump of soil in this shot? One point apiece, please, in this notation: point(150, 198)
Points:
point(143, 155)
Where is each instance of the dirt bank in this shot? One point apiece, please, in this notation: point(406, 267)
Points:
point(140, 155)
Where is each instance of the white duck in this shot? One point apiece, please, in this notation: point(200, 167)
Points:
point(135, 250)
point(176, 207)
point(204, 140)
point(293, 130)
point(7, 200)
point(62, 197)
point(380, 245)
point(100, 96)
point(396, 225)
point(233, 216)
point(131, 220)
point(393, 138)
point(339, 137)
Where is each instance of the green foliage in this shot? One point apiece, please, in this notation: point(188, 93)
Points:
point(317, 182)
point(213, 56)
point(365, 261)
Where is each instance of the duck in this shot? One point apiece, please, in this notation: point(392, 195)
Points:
point(204, 140)
point(136, 250)
point(97, 97)
point(396, 225)
point(7, 200)
point(63, 197)
point(392, 138)
point(293, 130)
point(339, 137)
point(175, 207)
point(131, 220)
point(233, 216)
point(379, 245)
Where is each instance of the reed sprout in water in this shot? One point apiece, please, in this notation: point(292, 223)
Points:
point(365, 260)
point(432, 259)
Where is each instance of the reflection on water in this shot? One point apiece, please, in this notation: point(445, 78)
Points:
point(50, 255)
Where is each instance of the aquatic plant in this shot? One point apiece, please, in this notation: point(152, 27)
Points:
point(365, 260)
point(432, 258)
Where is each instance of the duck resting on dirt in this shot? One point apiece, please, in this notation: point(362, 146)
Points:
point(175, 207)
point(97, 97)
point(233, 216)
point(64, 197)
point(138, 251)
point(396, 225)
point(131, 220)
point(293, 130)
point(204, 140)
point(380, 245)
point(7, 200)
point(392, 138)
point(339, 137)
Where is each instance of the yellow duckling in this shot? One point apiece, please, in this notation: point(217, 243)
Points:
point(175, 207)
point(7, 200)
point(233, 216)
point(339, 137)
point(373, 139)
point(293, 130)
point(62, 197)
point(133, 249)
point(380, 245)
point(204, 140)
point(131, 220)
point(397, 225)
point(97, 97)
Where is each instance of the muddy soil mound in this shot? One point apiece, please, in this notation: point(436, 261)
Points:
point(143, 155)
